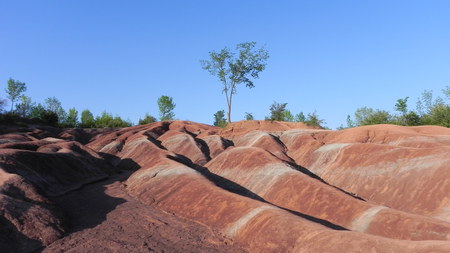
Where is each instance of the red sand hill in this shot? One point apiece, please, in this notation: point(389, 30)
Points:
point(255, 186)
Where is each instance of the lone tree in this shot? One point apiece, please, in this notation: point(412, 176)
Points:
point(14, 90)
point(233, 69)
point(166, 106)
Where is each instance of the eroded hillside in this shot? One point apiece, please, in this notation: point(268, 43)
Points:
point(255, 186)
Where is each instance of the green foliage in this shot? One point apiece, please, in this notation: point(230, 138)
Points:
point(434, 111)
point(300, 117)
point(314, 120)
point(104, 120)
point(147, 119)
point(401, 105)
point(49, 117)
point(40, 114)
point(288, 116)
point(2, 104)
point(72, 118)
point(14, 89)
point(368, 116)
point(87, 119)
point(438, 115)
point(412, 119)
point(107, 120)
point(426, 103)
point(350, 122)
point(25, 107)
point(54, 105)
point(361, 115)
point(166, 106)
point(277, 111)
point(249, 116)
point(446, 92)
point(236, 68)
point(9, 118)
point(219, 119)
point(37, 111)
point(118, 122)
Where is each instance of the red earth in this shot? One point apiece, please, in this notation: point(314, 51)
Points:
point(255, 186)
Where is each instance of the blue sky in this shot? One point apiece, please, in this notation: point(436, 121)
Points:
point(325, 56)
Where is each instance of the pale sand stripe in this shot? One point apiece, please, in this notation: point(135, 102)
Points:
point(234, 229)
point(361, 223)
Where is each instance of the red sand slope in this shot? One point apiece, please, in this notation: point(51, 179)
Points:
point(255, 186)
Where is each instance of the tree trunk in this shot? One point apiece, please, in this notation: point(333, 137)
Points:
point(229, 113)
point(229, 105)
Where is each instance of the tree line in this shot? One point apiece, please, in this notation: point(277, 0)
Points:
point(245, 63)
point(277, 112)
point(232, 68)
point(429, 110)
point(23, 110)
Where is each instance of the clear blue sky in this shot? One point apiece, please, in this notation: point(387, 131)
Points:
point(328, 56)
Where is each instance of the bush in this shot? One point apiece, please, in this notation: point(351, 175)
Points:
point(49, 117)
point(107, 120)
point(147, 119)
point(249, 116)
point(277, 111)
point(314, 120)
point(219, 119)
point(9, 118)
point(368, 116)
point(438, 115)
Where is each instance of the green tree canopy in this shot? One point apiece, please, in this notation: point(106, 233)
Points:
point(401, 105)
point(14, 89)
point(87, 119)
point(147, 119)
point(2, 104)
point(72, 118)
point(313, 120)
point(350, 122)
point(166, 106)
point(446, 92)
point(107, 120)
point(25, 107)
point(300, 117)
point(426, 102)
point(54, 105)
point(369, 116)
point(236, 68)
point(249, 116)
point(277, 111)
point(439, 115)
point(219, 119)
point(288, 116)
point(38, 112)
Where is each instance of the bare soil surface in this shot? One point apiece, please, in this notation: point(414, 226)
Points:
point(254, 186)
point(102, 217)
